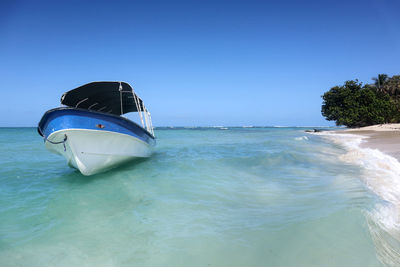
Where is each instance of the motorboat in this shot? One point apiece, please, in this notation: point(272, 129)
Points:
point(90, 131)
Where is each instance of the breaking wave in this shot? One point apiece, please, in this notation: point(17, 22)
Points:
point(381, 174)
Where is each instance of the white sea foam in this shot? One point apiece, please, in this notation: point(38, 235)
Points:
point(300, 138)
point(381, 174)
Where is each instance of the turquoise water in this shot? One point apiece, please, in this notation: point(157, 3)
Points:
point(207, 197)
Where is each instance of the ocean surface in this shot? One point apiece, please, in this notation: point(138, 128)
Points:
point(207, 197)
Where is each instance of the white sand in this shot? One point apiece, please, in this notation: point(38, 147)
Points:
point(378, 128)
point(384, 137)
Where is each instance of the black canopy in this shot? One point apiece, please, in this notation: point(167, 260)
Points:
point(104, 97)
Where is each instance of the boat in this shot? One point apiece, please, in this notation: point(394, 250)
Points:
point(90, 131)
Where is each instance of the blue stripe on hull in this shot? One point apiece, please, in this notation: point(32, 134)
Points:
point(71, 118)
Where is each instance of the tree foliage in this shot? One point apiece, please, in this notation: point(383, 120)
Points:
point(380, 81)
point(392, 87)
point(355, 105)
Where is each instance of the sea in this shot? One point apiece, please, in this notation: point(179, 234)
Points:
point(208, 196)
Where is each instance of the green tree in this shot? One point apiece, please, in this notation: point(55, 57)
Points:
point(380, 81)
point(392, 87)
point(355, 105)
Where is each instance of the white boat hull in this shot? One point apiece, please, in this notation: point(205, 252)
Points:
point(94, 151)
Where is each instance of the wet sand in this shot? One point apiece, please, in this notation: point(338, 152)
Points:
point(384, 137)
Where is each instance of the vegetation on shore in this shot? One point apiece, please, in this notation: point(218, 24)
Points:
point(356, 105)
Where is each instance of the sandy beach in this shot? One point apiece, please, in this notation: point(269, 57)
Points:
point(384, 137)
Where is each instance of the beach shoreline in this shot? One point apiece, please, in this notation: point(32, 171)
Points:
point(384, 137)
point(377, 151)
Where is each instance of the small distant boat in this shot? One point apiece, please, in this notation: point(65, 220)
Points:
point(90, 132)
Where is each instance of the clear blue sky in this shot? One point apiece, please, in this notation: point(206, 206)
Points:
point(195, 62)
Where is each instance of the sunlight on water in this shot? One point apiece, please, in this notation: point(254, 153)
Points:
point(207, 197)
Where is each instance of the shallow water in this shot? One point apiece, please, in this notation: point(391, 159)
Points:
point(207, 197)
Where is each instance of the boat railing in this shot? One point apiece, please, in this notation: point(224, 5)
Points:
point(145, 116)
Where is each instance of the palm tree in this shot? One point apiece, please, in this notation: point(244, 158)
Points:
point(392, 86)
point(380, 81)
